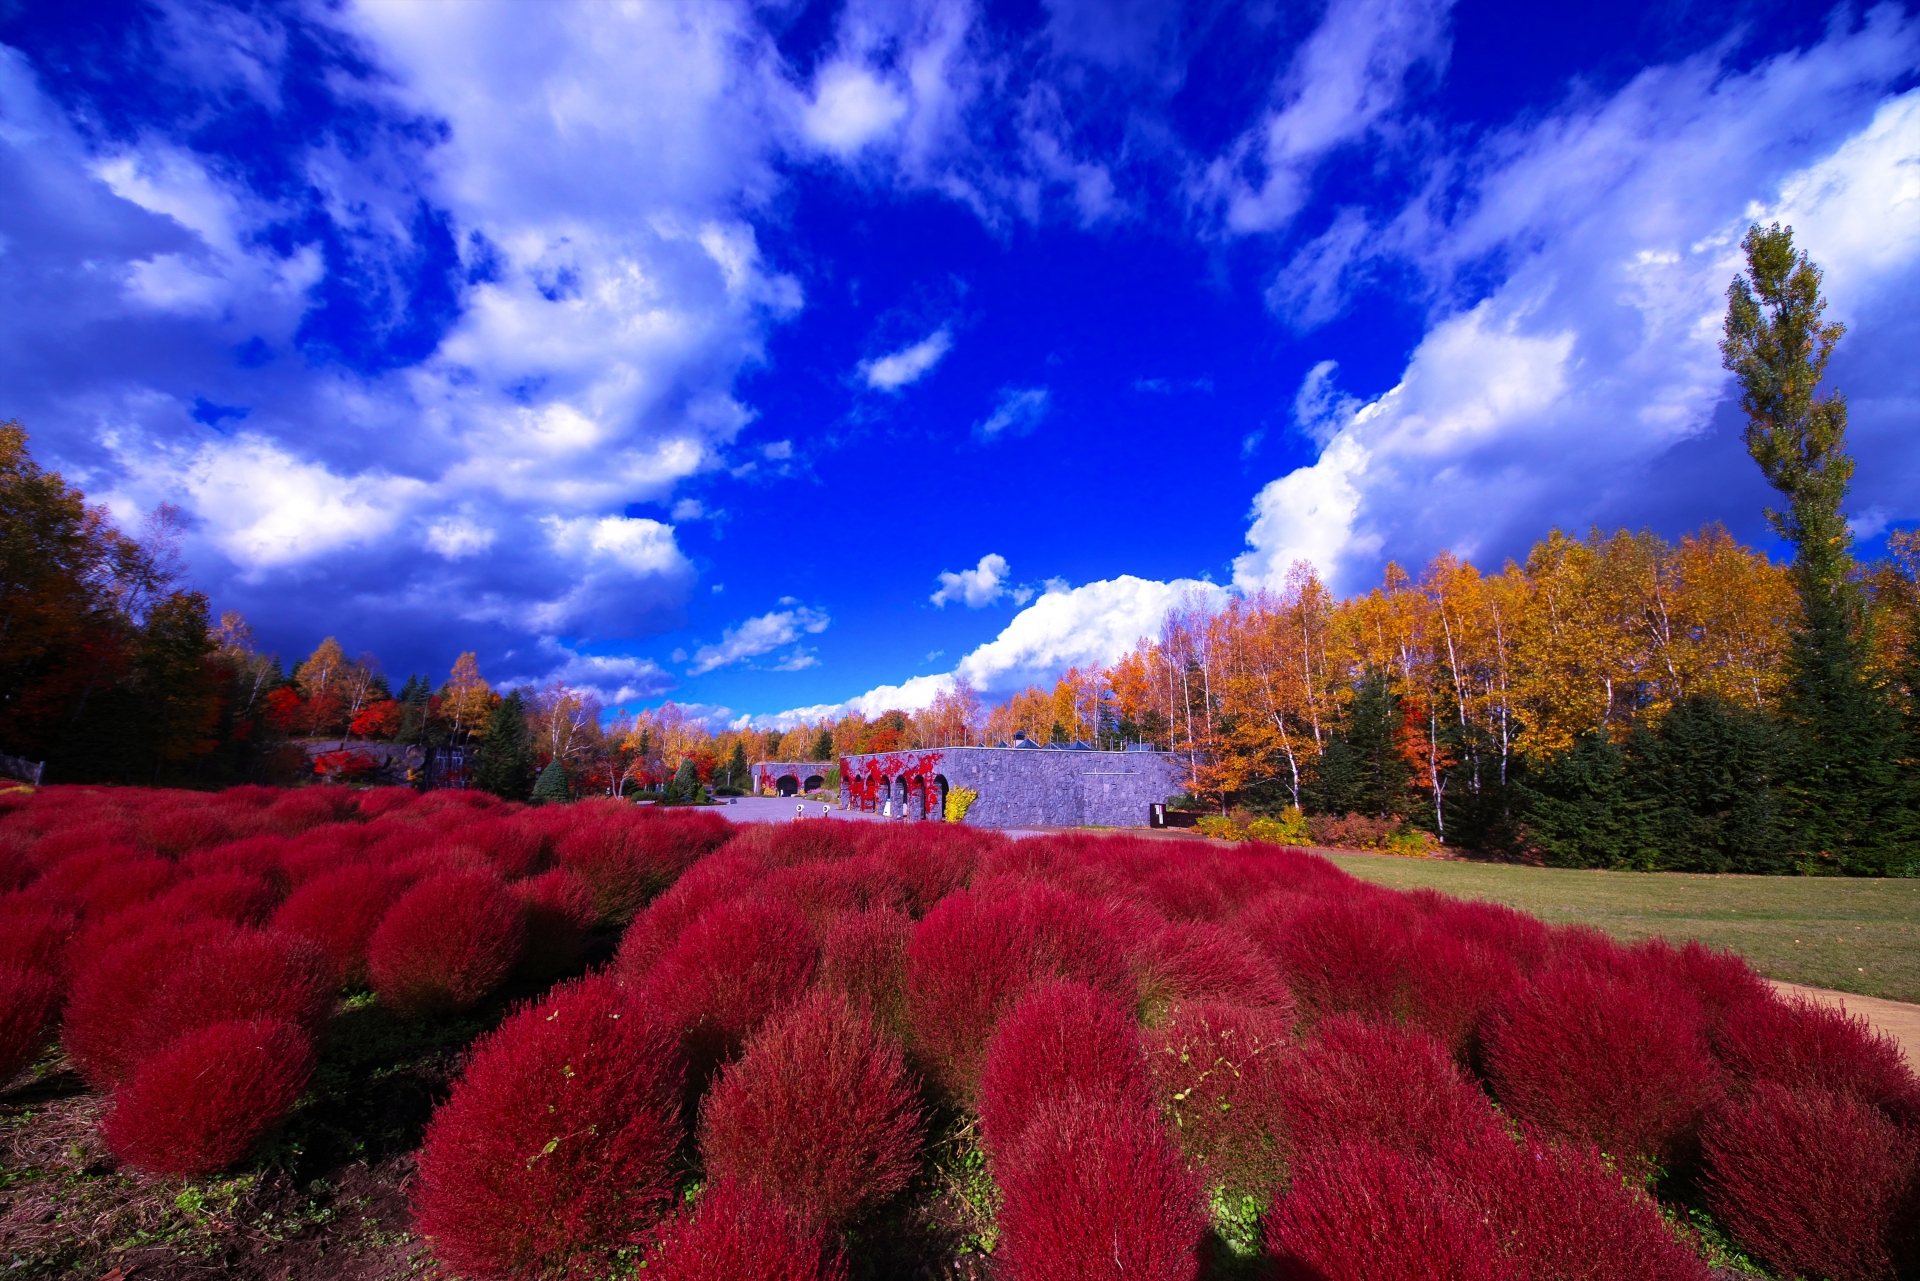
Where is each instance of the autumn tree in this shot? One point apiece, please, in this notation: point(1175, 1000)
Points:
point(467, 698)
point(1777, 344)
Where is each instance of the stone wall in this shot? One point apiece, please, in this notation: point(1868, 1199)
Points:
point(766, 775)
point(1017, 786)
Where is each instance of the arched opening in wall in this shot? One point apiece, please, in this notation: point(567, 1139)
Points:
point(938, 796)
point(813, 783)
point(882, 794)
point(916, 797)
point(788, 785)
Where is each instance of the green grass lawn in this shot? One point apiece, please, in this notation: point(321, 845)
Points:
point(1835, 932)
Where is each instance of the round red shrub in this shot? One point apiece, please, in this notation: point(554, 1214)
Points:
point(1810, 1181)
point(738, 1233)
point(725, 877)
point(628, 856)
point(111, 989)
point(1376, 1083)
point(113, 838)
point(124, 884)
point(237, 975)
point(1447, 984)
point(338, 913)
point(252, 856)
point(972, 957)
point(1566, 1214)
point(818, 1113)
point(1199, 961)
point(220, 896)
point(306, 807)
point(27, 1001)
point(205, 1101)
point(737, 965)
point(1096, 1189)
point(865, 958)
point(555, 1149)
point(445, 944)
point(34, 936)
point(1803, 1044)
point(1361, 1212)
point(1346, 956)
point(378, 802)
point(1602, 1060)
point(560, 916)
point(515, 847)
point(1059, 1039)
point(1216, 1073)
point(176, 830)
point(1525, 940)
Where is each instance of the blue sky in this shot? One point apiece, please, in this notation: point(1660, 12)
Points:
point(773, 358)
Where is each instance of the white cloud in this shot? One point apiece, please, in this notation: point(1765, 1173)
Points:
point(762, 635)
point(851, 107)
point(978, 587)
point(613, 678)
point(909, 364)
point(458, 537)
point(1341, 83)
point(267, 508)
point(1547, 401)
point(1096, 623)
point(1018, 412)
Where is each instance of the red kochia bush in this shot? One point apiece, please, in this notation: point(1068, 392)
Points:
point(720, 879)
point(1809, 1180)
point(865, 958)
point(1601, 1060)
point(338, 913)
point(1096, 1189)
point(203, 1102)
point(560, 916)
point(237, 975)
point(1216, 1073)
point(971, 958)
point(556, 1146)
point(111, 990)
point(728, 972)
point(1448, 983)
point(1567, 1215)
point(34, 936)
point(1360, 1212)
point(1060, 1039)
point(27, 998)
point(1802, 1044)
point(220, 896)
point(819, 1114)
point(627, 856)
point(447, 943)
point(1375, 1083)
point(1194, 961)
point(738, 1233)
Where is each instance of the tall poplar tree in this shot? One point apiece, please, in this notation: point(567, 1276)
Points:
point(1848, 794)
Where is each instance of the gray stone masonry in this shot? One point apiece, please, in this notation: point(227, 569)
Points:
point(1017, 786)
point(786, 778)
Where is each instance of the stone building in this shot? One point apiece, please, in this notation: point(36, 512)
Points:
point(790, 778)
point(1022, 785)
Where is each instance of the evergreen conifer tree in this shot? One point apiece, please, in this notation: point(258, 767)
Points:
point(823, 745)
point(737, 765)
point(506, 758)
point(551, 786)
point(1846, 793)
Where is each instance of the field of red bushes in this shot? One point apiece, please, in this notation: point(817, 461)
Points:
point(674, 1046)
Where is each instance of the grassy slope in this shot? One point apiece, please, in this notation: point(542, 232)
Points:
point(1851, 935)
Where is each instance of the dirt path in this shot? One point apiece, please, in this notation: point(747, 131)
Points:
point(1896, 1018)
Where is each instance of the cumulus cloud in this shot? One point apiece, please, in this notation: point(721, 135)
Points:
point(1018, 411)
point(909, 364)
point(980, 586)
point(1549, 399)
point(762, 635)
point(1095, 623)
point(613, 678)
